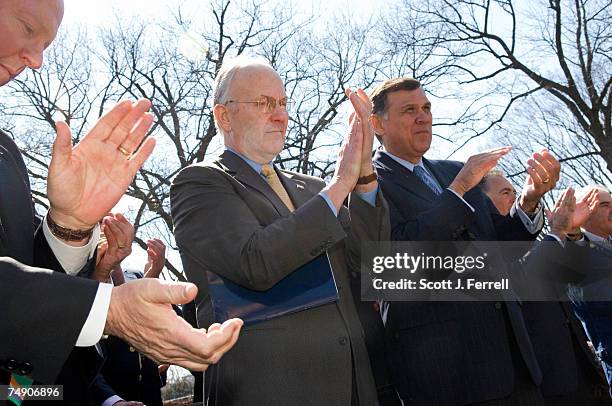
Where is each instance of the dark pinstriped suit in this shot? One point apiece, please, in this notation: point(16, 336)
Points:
point(448, 353)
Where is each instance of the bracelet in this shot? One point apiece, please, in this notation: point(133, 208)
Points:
point(67, 234)
point(364, 180)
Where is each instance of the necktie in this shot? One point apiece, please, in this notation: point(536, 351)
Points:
point(276, 185)
point(427, 179)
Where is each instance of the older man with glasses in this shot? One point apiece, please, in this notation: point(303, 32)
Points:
point(246, 220)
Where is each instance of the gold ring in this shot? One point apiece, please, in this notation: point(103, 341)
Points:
point(123, 151)
point(546, 181)
point(121, 247)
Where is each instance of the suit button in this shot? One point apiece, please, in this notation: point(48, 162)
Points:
point(498, 305)
point(11, 365)
point(25, 369)
point(342, 340)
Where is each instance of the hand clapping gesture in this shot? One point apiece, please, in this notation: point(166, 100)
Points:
point(87, 180)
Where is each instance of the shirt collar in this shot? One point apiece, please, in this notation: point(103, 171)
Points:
point(256, 166)
point(406, 164)
point(594, 237)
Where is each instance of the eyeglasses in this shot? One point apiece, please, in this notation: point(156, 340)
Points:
point(267, 104)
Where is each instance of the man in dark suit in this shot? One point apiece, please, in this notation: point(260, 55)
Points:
point(569, 371)
point(256, 229)
point(446, 352)
point(44, 313)
point(591, 297)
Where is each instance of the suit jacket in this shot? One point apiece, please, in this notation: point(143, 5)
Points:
point(42, 311)
point(557, 335)
point(596, 315)
point(130, 374)
point(448, 352)
point(228, 220)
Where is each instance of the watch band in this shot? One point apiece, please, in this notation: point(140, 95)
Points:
point(364, 180)
point(67, 234)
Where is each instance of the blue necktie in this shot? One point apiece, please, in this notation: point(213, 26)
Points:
point(427, 179)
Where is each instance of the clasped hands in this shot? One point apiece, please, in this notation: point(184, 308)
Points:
point(355, 155)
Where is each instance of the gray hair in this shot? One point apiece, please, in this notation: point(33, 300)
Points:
point(225, 76)
point(485, 179)
point(581, 192)
point(227, 72)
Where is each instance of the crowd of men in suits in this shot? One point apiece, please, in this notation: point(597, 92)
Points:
point(253, 223)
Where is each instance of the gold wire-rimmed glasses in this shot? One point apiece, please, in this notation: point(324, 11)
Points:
point(267, 104)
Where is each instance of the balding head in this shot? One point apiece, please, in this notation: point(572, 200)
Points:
point(27, 28)
point(499, 189)
point(251, 108)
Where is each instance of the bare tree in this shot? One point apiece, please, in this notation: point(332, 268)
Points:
point(147, 59)
point(557, 49)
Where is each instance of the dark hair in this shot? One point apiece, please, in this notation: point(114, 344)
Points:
point(379, 94)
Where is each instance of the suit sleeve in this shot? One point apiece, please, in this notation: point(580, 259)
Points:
point(101, 390)
point(446, 220)
point(42, 315)
point(510, 227)
point(217, 230)
point(367, 223)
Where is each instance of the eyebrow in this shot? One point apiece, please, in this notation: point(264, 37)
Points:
point(415, 105)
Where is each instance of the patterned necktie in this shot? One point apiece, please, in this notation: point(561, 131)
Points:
point(427, 179)
point(276, 185)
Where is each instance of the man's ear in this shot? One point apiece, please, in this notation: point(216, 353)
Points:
point(220, 112)
point(376, 122)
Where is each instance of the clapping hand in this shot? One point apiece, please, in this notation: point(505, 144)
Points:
point(156, 258)
point(87, 180)
point(543, 173)
point(561, 216)
point(115, 246)
point(476, 168)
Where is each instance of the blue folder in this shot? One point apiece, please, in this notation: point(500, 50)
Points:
point(309, 286)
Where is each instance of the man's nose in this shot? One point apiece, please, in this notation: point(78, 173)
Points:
point(32, 56)
point(423, 116)
point(279, 114)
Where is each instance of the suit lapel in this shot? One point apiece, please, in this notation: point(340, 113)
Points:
point(404, 177)
point(242, 172)
point(296, 188)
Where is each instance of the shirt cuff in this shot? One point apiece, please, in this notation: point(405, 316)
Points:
point(533, 225)
point(462, 199)
point(329, 203)
point(72, 259)
point(94, 325)
point(112, 400)
point(369, 197)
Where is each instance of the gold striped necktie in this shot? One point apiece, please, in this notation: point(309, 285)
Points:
point(276, 185)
